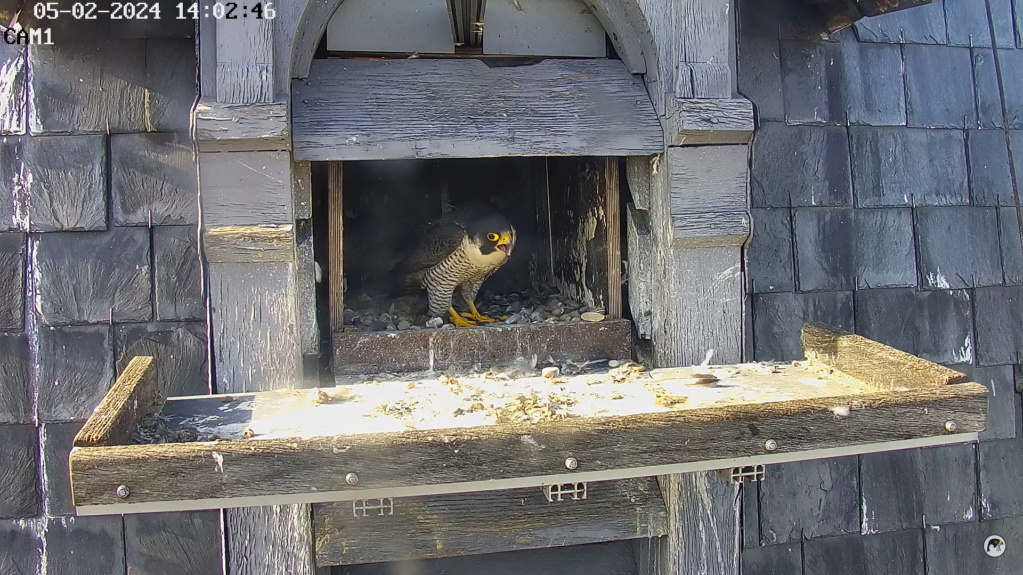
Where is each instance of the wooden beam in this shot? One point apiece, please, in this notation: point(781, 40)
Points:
point(640, 247)
point(254, 244)
point(485, 522)
point(405, 351)
point(335, 237)
point(873, 362)
point(246, 188)
point(245, 61)
point(701, 122)
point(128, 402)
point(553, 108)
point(706, 229)
point(221, 127)
point(704, 34)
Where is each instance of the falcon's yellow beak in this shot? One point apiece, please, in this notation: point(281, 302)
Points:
point(506, 243)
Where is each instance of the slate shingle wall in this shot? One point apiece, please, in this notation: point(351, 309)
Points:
point(98, 263)
point(883, 202)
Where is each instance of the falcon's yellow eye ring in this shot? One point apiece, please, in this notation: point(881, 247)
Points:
point(492, 237)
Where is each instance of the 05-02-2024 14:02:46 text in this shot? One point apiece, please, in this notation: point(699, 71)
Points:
point(152, 11)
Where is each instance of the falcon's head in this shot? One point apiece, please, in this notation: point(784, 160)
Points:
point(491, 233)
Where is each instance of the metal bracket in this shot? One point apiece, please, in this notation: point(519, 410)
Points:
point(558, 492)
point(752, 472)
point(365, 507)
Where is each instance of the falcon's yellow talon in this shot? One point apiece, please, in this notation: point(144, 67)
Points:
point(458, 321)
point(474, 314)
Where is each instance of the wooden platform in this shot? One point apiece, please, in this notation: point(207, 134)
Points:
point(440, 349)
point(427, 434)
point(421, 108)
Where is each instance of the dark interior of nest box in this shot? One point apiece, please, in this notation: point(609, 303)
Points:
point(567, 212)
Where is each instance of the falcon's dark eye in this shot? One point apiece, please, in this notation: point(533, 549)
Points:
point(492, 236)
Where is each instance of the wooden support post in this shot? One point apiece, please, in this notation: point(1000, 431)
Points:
point(335, 233)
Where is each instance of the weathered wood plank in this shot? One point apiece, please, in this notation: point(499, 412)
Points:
point(710, 121)
point(372, 352)
point(873, 362)
point(222, 127)
point(388, 462)
point(639, 244)
point(708, 178)
point(266, 243)
point(241, 188)
point(245, 62)
point(486, 522)
point(127, 403)
point(171, 543)
point(362, 110)
point(207, 49)
point(254, 330)
point(638, 170)
point(562, 28)
point(305, 270)
point(335, 239)
point(270, 540)
point(709, 229)
point(615, 17)
point(302, 189)
point(391, 26)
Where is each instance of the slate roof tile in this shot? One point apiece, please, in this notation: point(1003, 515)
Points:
point(958, 549)
point(908, 167)
point(178, 274)
point(84, 545)
point(773, 560)
point(779, 317)
point(1003, 404)
point(903, 489)
point(66, 179)
point(57, 440)
point(1012, 250)
point(19, 478)
point(13, 189)
point(990, 180)
point(968, 23)
point(769, 252)
point(999, 327)
point(153, 180)
point(810, 499)
point(12, 280)
point(800, 166)
point(939, 87)
point(958, 247)
point(13, 84)
point(75, 370)
point(923, 25)
point(759, 59)
point(147, 536)
point(899, 552)
point(21, 547)
point(172, 83)
point(179, 349)
point(989, 97)
point(16, 392)
point(1001, 466)
point(934, 325)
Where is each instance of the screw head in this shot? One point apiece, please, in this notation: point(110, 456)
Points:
point(122, 491)
point(951, 427)
point(571, 463)
point(770, 445)
point(351, 479)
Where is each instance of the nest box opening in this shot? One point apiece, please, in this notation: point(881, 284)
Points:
point(565, 272)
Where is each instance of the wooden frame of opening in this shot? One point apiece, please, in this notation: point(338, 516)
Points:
point(579, 213)
point(856, 394)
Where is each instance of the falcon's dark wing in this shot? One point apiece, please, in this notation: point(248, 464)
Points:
point(439, 240)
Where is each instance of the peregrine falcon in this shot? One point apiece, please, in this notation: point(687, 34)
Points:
point(459, 250)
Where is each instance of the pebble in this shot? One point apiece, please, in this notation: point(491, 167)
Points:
point(377, 325)
point(550, 372)
point(592, 316)
point(512, 319)
point(404, 324)
point(613, 363)
point(434, 322)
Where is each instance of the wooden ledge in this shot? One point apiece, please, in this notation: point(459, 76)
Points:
point(699, 121)
point(221, 127)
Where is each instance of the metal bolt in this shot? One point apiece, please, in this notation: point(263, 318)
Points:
point(951, 427)
point(351, 479)
point(571, 463)
point(122, 491)
point(770, 445)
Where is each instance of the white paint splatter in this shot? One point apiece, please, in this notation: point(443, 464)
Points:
point(219, 459)
point(965, 353)
point(840, 410)
point(936, 279)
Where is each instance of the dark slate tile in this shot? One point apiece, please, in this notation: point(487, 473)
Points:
point(908, 167)
point(772, 560)
point(1012, 250)
point(958, 247)
point(989, 102)
point(84, 546)
point(750, 515)
point(968, 23)
point(172, 82)
point(759, 59)
point(13, 191)
point(1018, 11)
point(12, 281)
point(87, 84)
point(1003, 403)
point(939, 87)
point(13, 84)
point(800, 166)
point(16, 386)
point(839, 248)
point(923, 25)
point(934, 325)
point(19, 472)
point(959, 549)
point(178, 274)
point(883, 247)
point(153, 180)
point(990, 180)
point(769, 252)
point(57, 440)
point(1001, 467)
point(21, 548)
point(899, 553)
point(909, 488)
point(173, 543)
point(824, 250)
point(93, 277)
point(1011, 62)
point(67, 182)
point(810, 499)
point(1016, 145)
point(179, 349)
point(779, 317)
point(75, 370)
point(843, 83)
point(999, 327)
